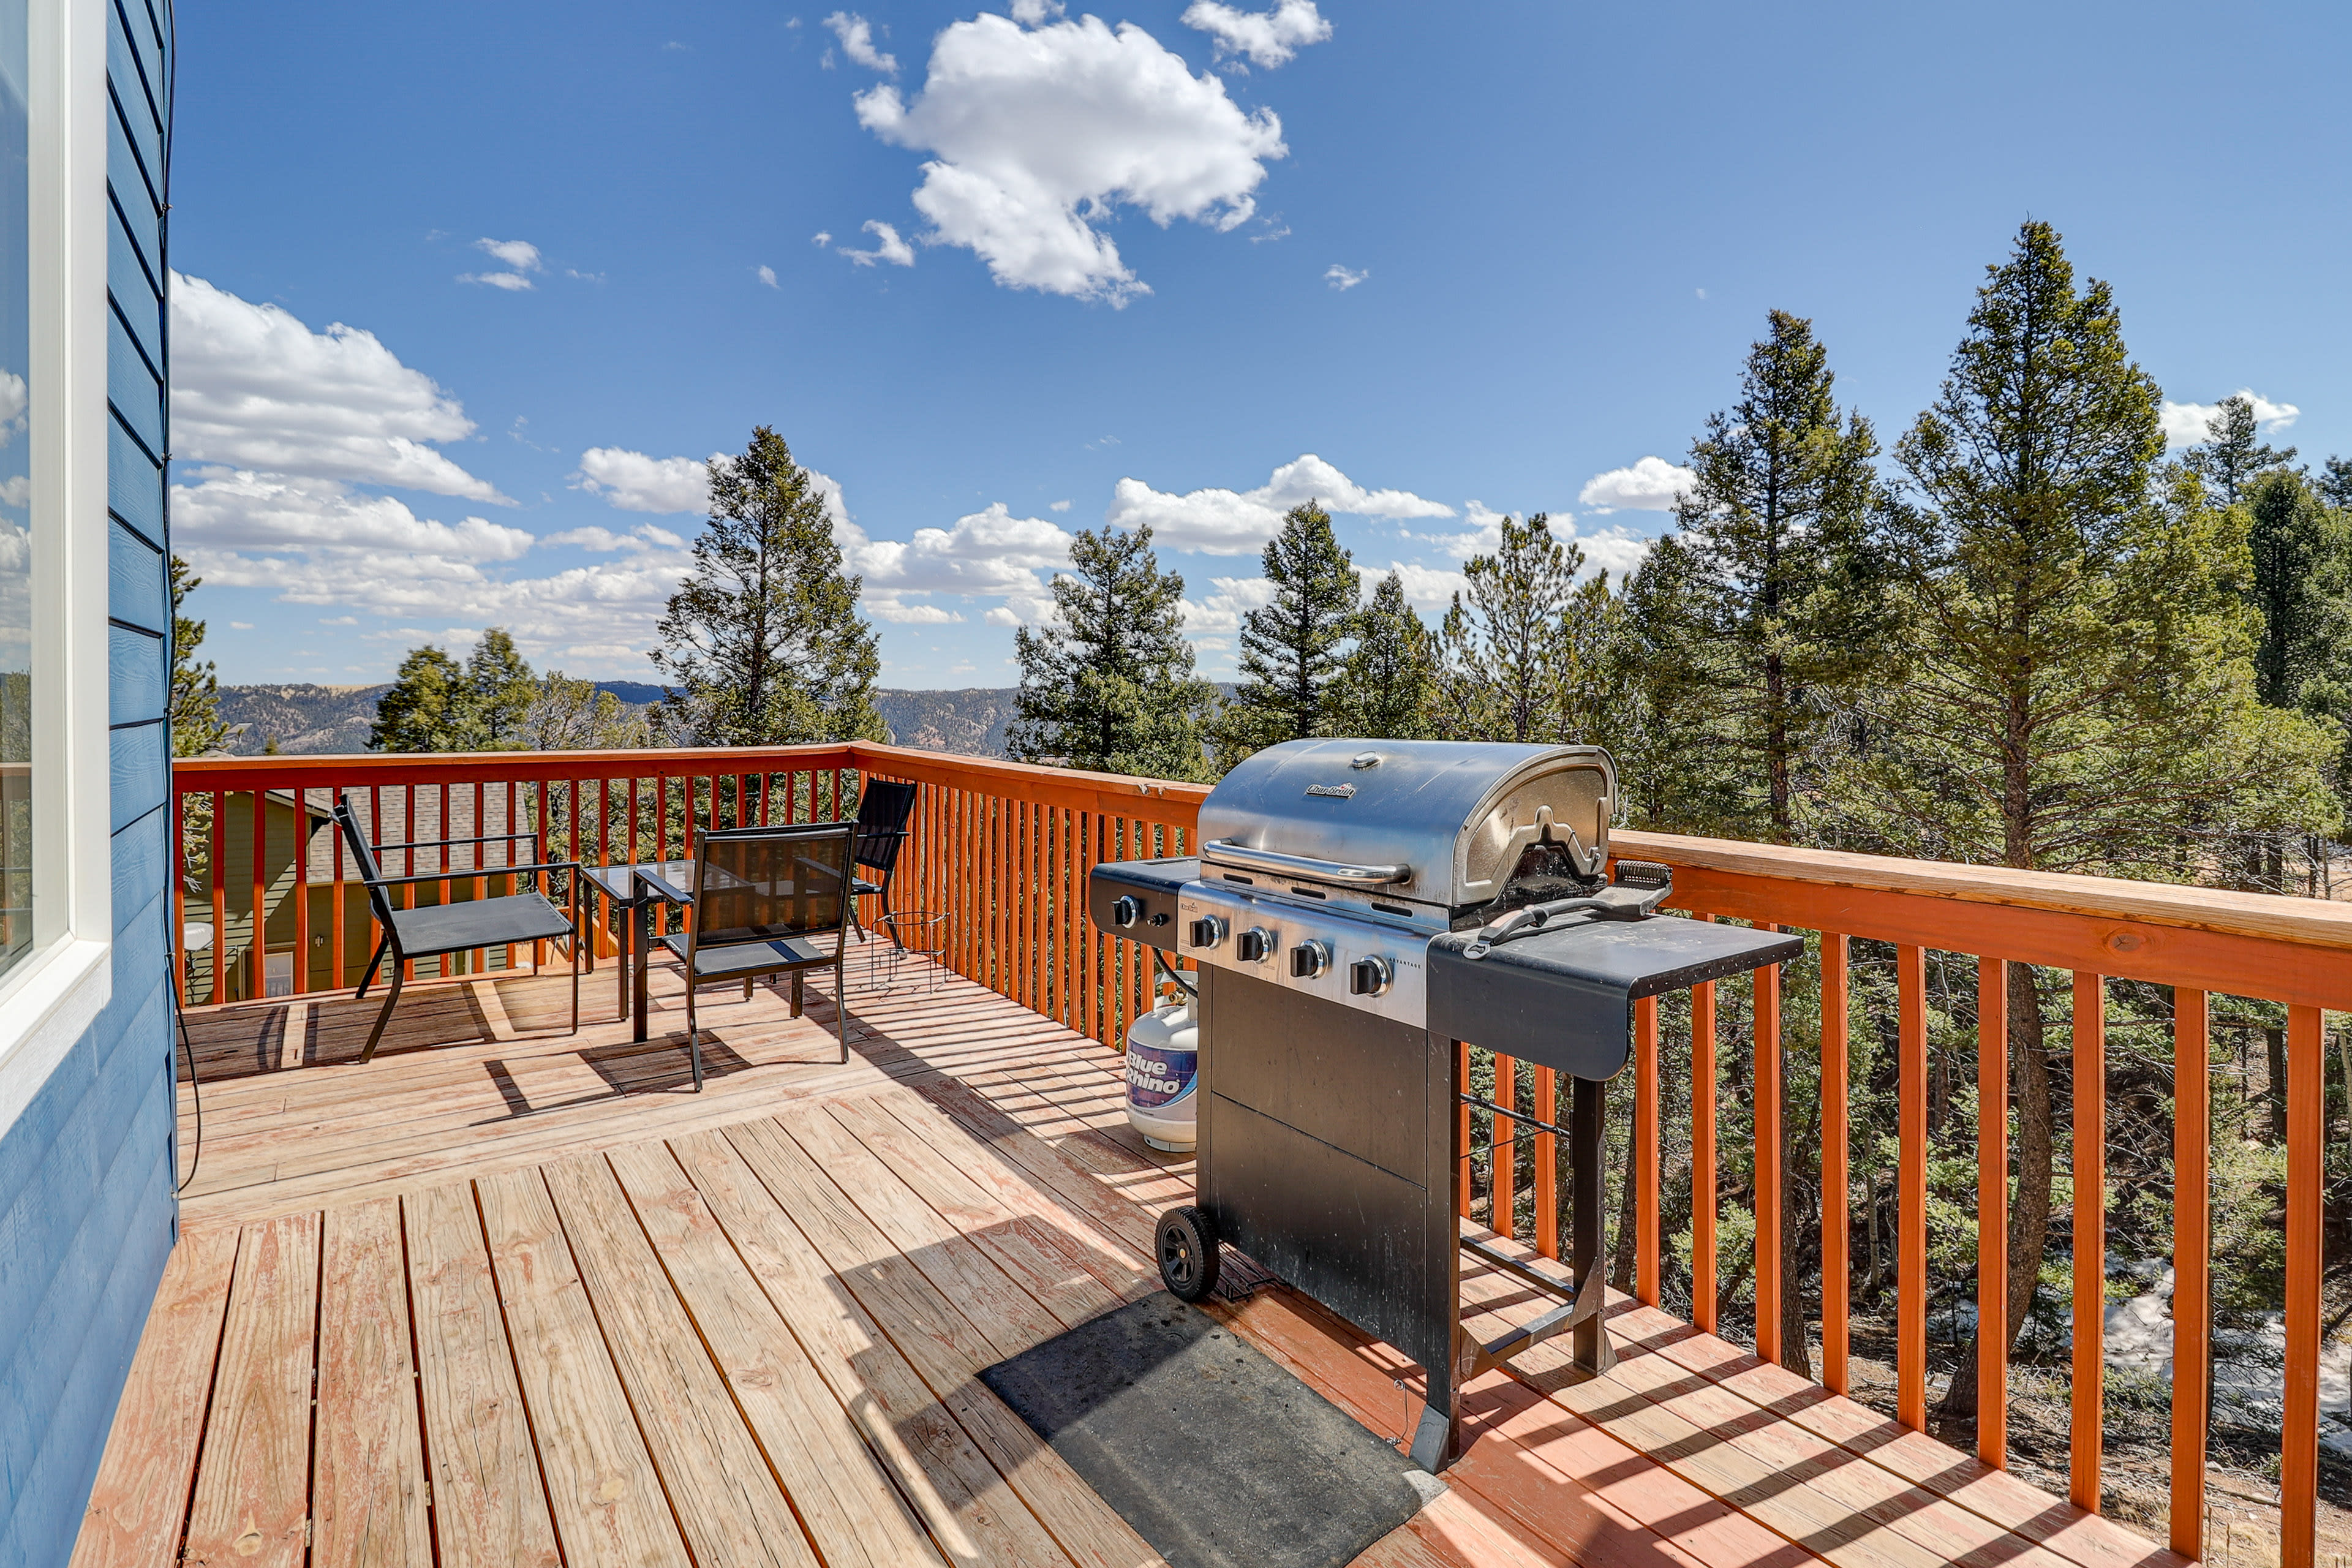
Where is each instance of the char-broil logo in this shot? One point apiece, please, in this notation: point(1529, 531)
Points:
point(1333, 792)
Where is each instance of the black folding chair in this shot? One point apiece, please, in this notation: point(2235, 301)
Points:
point(763, 900)
point(883, 808)
point(456, 926)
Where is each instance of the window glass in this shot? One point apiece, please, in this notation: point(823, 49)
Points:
point(15, 502)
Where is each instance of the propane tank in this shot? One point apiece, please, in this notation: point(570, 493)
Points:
point(1163, 1064)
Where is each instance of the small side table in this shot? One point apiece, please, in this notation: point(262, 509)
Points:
point(910, 935)
point(618, 884)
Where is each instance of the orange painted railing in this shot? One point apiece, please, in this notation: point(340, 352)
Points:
point(1003, 850)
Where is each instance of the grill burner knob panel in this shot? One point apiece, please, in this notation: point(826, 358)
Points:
point(1275, 940)
point(1124, 913)
point(1308, 960)
point(1254, 944)
point(1369, 976)
point(1208, 931)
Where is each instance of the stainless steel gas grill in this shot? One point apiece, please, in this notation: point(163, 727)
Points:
point(1358, 908)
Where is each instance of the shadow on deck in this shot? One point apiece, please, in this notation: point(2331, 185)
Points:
point(508, 1295)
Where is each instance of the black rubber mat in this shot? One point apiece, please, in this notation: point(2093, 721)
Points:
point(1216, 1455)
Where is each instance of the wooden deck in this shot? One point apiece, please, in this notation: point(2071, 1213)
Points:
point(522, 1297)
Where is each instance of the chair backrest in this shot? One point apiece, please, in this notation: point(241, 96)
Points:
point(883, 808)
point(363, 858)
point(756, 884)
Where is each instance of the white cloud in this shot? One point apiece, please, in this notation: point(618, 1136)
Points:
point(1266, 37)
point(1425, 587)
point(1001, 615)
point(1618, 549)
point(2184, 423)
point(520, 257)
point(1237, 522)
point(1058, 506)
point(990, 552)
point(768, 276)
point(240, 625)
point(857, 36)
point(883, 607)
point(1651, 485)
point(890, 249)
point(636, 482)
point(238, 509)
point(252, 387)
point(1031, 13)
point(603, 540)
point(1223, 610)
point(1342, 279)
point(1037, 135)
point(821, 237)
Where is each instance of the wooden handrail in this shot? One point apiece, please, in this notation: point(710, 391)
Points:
point(1004, 849)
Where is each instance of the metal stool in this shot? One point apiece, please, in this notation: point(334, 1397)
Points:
point(915, 934)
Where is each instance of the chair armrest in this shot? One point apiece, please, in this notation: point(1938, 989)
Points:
point(660, 886)
point(572, 865)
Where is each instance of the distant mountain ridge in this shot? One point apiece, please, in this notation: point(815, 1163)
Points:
point(308, 719)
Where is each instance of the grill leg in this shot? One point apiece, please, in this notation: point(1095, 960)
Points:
point(1589, 1347)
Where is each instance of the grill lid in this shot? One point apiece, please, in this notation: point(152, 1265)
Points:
point(1438, 822)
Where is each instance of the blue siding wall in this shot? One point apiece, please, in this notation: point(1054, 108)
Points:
point(86, 1213)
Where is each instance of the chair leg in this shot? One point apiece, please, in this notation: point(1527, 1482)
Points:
point(392, 995)
point(840, 1000)
point(747, 988)
point(693, 1036)
point(368, 979)
point(799, 995)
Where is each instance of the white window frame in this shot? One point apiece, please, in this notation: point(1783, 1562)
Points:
point(50, 998)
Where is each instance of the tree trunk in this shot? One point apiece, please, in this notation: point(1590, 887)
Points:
point(2029, 1209)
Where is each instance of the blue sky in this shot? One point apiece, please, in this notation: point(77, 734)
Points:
point(473, 277)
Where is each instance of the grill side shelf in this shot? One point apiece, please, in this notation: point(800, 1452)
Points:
point(1564, 998)
point(1151, 886)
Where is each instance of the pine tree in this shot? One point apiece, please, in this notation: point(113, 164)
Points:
point(1107, 683)
point(1291, 645)
point(2233, 451)
point(428, 708)
point(1675, 759)
point(1777, 525)
point(2079, 687)
point(499, 690)
point(1385, 689)
point(2336, 483)
point(762, 642)
point(1504, 649)
point(196, 726)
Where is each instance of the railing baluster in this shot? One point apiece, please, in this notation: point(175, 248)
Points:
point(1837, 1202)
point(2193, 1273)
point(1546, 1165)
point(1768, 1068)
point(1911, 1201)
point(408, 835)
point(219, 877)
point(302, 965)
point(1992, 1212)
point(1703, 1174)
point(508, 825)
point(2088, 1415)
point(1645, 1150)
point(1503, 1159)
point(2306, 1156)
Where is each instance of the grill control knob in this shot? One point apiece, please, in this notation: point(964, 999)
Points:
point(1310, 959)
point(1369, 976)
point(1126, 911)
point(1253, 944)
point(1208, 931)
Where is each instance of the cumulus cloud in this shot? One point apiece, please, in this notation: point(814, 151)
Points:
point(1651, 485)
point(1618, 549)
point(1342, 279)
point(1427, 587)
point(1037, 133)
point(884, 608)
point(1266, 38)
point(857, 36)
point(253, 387)
point(636, 482)
point(888, 247)
point(518, 257)
point(1223, 610)
point(603, 540)
point(768, 276)
point(2184, 423)
point(238, 509)
point(1237, 522)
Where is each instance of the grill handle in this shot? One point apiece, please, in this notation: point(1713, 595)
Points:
point(1224, 851)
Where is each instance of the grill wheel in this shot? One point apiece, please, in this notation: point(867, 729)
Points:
point(1188, 1254)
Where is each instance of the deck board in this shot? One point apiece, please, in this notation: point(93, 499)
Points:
point(561, 1309)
